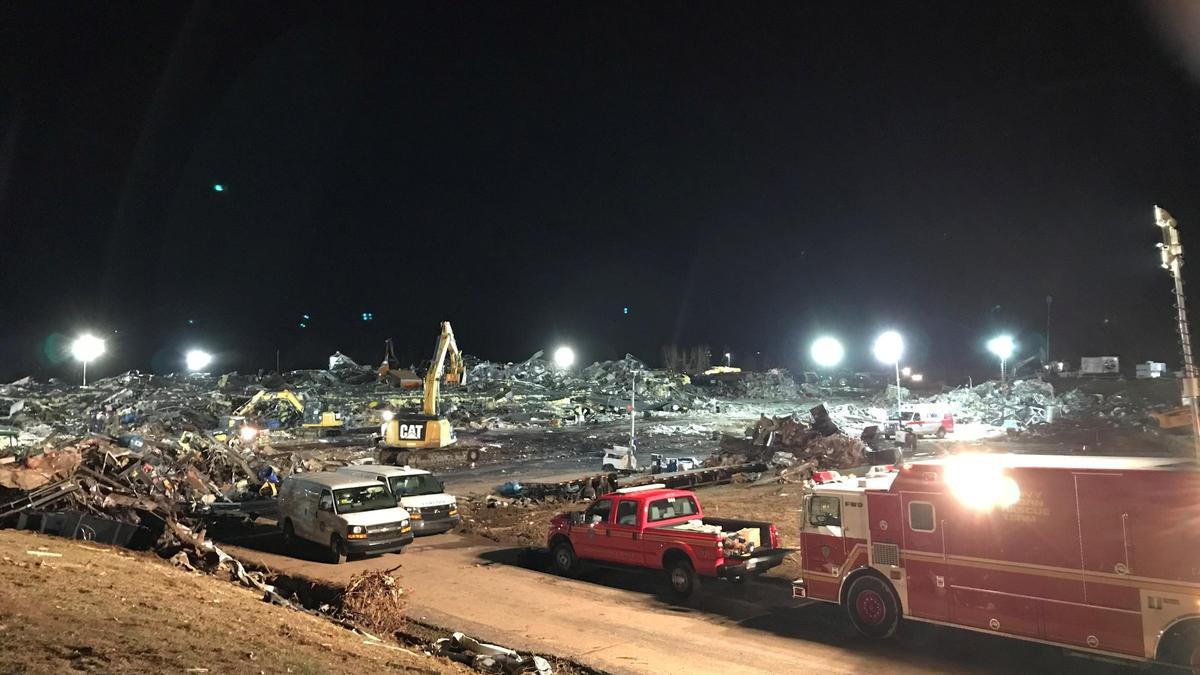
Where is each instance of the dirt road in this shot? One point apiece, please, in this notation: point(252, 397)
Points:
point(618, 622)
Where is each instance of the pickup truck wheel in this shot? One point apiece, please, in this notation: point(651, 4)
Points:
point(682, 576)
point(337, 550)
point(873, 607)
point(566, 562)
point(941, 432)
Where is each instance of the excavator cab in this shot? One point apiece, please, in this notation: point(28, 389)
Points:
point(429, 429)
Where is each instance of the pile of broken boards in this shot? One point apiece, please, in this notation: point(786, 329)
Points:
point(794, 447)
point(490, 658)
point(1028, 403)
point(535, 391)
point(95, 489)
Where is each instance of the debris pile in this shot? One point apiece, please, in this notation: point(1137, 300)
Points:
point(772, 384)
point(374, 600)
point(489, 658)
point(789, 443)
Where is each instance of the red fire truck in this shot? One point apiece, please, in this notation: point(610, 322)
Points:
point(1096, 554)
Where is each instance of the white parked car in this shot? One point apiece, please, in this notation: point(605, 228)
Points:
point(346, 515)
point(430, 509)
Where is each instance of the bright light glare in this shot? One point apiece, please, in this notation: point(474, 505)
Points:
point(1002, 346)
point(917, 377)
point(827, 352)
point(980, 483)
point(388, 415)
point(906, 371)
point(889, 347)
point(87, 348)
point(564, 357)
point(197, 360)
point(248, 433)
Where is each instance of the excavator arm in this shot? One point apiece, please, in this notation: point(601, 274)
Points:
point(446, 348)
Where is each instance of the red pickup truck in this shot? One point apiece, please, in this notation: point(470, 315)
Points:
point(662, 529)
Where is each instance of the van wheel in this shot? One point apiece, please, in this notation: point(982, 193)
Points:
point(682, 577)
point(289, 534)
point(608, 467)
point(941, 432)
point(873, 607)
point(566, 562)
point(337, 550)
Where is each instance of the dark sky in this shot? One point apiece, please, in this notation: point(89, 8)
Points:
point(747, 176)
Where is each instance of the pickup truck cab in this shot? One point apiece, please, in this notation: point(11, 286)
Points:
point(430, 509)
point(659, 529)
point(345, 515)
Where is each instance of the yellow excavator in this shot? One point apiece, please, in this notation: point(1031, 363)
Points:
point(404, 433)
point(312, 419)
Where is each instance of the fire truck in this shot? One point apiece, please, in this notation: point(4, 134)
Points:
point(1096, 554)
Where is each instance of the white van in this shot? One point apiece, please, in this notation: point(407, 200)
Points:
point(430, 509)
point(347, 515)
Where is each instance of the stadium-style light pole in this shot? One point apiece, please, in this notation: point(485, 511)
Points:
point(197, 360)
point(1003, 347)
point(85, 348)
point(564, 357)
point(889, 347)
point(827, 352)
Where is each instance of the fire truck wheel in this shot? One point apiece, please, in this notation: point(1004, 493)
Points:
point(566, 562)
point(682, 576)
point(873, 607)
point(1184, 649)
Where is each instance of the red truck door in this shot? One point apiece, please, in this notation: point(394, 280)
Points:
point(624, 541)
point(590, 539)
point(823, 546)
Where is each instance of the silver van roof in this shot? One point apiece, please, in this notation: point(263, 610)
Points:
point(385, 470)
point(331, 479)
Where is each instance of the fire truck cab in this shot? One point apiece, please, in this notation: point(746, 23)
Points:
point(1094, 554)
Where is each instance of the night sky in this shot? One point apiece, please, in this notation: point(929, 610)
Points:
point(743, 175)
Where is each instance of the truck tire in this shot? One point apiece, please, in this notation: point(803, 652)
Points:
point(566, 562)
point(941, 432)
point(289, 535)
point(1182, 651)
point(608, 467)
point(873, 607)
point(682, 577)
point(337, 550)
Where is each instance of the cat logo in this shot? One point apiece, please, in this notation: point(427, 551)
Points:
point(412, 432)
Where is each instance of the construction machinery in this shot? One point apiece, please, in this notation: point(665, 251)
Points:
point(289, 409)
point(404, 433)
point(1187, 415)
point(391, 373)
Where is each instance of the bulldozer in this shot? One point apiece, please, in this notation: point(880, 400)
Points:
point(404, 433)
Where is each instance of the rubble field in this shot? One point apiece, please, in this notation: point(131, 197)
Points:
point(70, 606)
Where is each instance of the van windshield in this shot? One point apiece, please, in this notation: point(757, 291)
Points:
point(412, 486)
point(366, 498)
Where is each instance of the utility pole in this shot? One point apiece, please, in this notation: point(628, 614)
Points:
point(1172, 260)
point(633, 414)
point(1049, 301)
